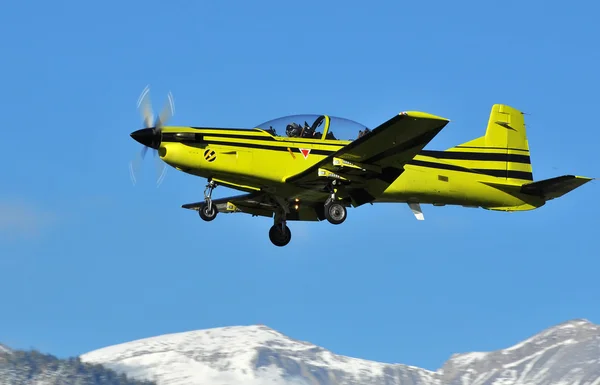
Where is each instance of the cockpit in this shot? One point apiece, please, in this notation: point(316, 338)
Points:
point(315, 127)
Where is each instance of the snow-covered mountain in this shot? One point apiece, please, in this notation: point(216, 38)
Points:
point(244, 355)
point(568, 353)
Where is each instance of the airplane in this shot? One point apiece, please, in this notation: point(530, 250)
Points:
point(315, 167)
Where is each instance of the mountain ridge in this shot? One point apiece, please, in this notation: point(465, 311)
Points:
point(5, 349)
point(31, 367)
point(258, 354)
point(578, 322)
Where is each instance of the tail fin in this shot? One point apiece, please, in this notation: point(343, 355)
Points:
point(503, 151)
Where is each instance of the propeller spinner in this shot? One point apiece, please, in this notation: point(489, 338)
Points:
point(150, 136)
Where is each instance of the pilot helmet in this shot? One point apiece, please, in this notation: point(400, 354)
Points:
point(292, 129)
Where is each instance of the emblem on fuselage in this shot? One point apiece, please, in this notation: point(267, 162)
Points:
point(210, 155)
point(305, 152)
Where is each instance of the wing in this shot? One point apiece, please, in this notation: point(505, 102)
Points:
point(261, 203)
point(372, 162)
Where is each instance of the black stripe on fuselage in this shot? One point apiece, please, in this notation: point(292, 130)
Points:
point(494, 148)
point(512, 174)
point(270, 138)
point(455, 155)
point(273, 148)
point(198, 138)
point(283, 147)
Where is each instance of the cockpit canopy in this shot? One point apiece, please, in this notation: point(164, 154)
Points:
point(315, 127)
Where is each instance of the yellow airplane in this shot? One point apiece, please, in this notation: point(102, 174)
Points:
point(311, 168)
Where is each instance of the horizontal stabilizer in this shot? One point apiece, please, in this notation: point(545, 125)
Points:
point(554, 187)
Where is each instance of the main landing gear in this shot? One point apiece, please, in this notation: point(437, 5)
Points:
point(208, 211)
point(335, 212)
point(280, 235)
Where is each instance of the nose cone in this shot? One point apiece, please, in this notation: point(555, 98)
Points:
point(148, 137)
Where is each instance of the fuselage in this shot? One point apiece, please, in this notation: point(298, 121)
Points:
point(258, 160)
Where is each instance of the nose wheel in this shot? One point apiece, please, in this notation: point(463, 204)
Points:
point(208, 211)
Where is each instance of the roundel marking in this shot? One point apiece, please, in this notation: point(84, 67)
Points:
point(210, 155)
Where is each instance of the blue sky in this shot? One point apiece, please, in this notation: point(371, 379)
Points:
point(87, 260)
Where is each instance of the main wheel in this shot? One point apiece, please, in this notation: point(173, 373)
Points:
point(280, 237)
point(335, 213)
point(206, 214)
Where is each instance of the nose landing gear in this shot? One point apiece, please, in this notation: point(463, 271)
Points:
point(208, 211)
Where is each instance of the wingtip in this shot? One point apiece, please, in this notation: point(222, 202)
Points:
point(423, 115)
point(191, 206)
point(586, 178)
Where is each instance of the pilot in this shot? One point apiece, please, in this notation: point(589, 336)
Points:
point(307, 132)
point(272, 131)
point(293, 130)
point(362, 133)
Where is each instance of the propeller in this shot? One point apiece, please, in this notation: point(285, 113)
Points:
point(150, 136)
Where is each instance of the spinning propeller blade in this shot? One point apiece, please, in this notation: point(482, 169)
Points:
point(150, 136)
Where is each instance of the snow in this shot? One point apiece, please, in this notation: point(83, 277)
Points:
point(467, 359)
point(542, 338)
point(538, 353)
point(567, 353)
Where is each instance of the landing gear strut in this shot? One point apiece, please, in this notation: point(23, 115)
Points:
point(335, 212)
point(208, 211)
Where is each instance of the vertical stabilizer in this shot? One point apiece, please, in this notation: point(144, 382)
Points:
point(503, 151)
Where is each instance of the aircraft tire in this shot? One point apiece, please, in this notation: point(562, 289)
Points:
point(280, 238)
point(335, 213)
point(208, 215)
